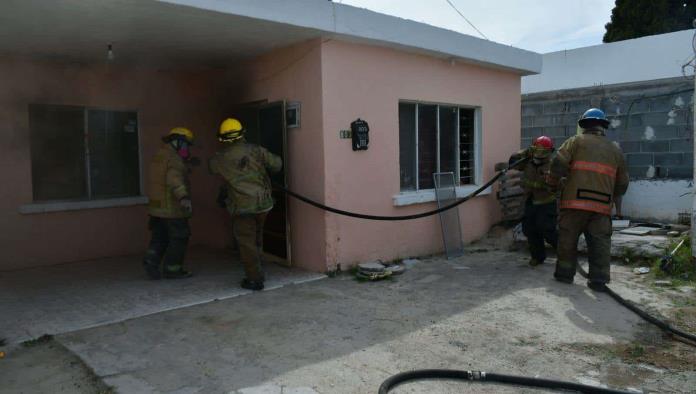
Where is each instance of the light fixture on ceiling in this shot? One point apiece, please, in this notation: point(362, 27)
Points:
point(110, 53)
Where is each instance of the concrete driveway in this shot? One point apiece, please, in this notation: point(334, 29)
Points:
point(485, 311)
point(74, 296)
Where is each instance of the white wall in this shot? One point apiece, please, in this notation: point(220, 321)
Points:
point(641, 59)
point(658, 200)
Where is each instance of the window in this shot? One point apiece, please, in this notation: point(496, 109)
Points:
point(436, 138)
point(83, 154)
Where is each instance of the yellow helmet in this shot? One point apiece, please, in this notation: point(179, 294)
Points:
point(230, 130)
point(179, 132)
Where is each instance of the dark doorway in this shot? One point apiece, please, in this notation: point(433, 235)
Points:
point(265, 124)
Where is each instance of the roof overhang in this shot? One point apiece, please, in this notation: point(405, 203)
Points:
point(218, 32)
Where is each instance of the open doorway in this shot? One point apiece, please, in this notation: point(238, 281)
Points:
point(266, 126)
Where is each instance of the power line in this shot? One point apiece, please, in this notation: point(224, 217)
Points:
point(466, 19)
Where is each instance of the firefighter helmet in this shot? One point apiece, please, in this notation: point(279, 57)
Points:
point(231, 130)
point(542, 147)
point(593, 117)
point(180, 133)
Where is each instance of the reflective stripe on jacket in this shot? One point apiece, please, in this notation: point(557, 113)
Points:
point(595, 173)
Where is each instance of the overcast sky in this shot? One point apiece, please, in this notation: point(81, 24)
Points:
point(537, 25)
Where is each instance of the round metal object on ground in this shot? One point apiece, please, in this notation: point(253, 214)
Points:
point(371, 267)
point(396, 269)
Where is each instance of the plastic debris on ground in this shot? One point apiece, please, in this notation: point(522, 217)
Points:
point(641, 270)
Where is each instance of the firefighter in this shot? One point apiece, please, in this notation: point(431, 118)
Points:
point(540, 211)
point(596, 177)
point(244, 167)
point(170, 206)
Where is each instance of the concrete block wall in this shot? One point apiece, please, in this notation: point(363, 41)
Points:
point(652, 122)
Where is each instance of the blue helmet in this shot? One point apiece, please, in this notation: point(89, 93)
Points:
point(593, 117)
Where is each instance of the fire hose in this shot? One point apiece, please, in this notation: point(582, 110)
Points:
point(403, 217)
point(477, 375)
point(690, 338)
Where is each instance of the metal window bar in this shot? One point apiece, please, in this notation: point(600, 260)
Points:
point(88, 170)
point(416, 169)
point(437, 138)
point(446, 193)
point(458, 149)
point(473, 163)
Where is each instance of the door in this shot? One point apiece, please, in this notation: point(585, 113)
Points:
point(272, 135)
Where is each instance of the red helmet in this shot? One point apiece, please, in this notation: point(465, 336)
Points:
point(543, 142)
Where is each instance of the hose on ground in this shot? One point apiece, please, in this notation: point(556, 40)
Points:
point(691, 338)
point(403, 217)
point(476, 376)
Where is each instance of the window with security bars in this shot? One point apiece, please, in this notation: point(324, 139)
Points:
point(83, 154)
point(436, 138)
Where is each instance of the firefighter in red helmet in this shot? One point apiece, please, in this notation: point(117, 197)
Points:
point(540, 211)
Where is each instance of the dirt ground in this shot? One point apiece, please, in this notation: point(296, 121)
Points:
point(45, 366)
point(486, 310)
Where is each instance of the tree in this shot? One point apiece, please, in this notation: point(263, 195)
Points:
point(639, 18)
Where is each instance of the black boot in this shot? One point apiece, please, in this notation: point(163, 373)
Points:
point(251, 285)
point(180, 274)
point(597, 286)
point(563, 279)
point(152, 268)
point(152, 271)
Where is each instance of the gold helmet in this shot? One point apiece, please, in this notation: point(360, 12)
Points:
point(230, 130)
point(180, 133)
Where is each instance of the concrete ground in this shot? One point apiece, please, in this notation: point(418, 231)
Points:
point(69, 297)
point(486, 310)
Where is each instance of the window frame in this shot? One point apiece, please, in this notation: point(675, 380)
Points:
point(478, 148)
point(88, 201)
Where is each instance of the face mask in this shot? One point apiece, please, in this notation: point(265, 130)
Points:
point(183, 152)
point(182, 149)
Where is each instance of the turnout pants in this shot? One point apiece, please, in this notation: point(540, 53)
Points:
point(169, 242)
point(539, 225)
point(248, 231)
point(597, 230)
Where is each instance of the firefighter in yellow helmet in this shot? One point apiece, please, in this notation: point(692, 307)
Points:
point(169, 208)
point(244, 168)
point(596, 177)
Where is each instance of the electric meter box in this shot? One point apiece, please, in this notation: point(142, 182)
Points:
point(360, 133)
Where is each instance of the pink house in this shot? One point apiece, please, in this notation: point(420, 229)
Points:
point(88, 89)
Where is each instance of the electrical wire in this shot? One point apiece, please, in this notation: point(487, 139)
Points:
point(635, 100)
point(466, 19)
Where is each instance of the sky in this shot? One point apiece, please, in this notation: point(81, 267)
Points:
point(537, 25)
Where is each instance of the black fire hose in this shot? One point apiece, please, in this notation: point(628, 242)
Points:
point(476, 376)
point(691, 338)
point(403, 217)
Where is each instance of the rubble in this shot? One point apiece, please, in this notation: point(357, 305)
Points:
point(646, 246)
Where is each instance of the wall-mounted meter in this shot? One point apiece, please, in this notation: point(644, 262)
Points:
point(360, 133)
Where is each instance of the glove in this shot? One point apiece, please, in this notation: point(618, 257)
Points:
point(186, 204)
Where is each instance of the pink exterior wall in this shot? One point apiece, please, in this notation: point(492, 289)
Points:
point(367, 82)
point(162, 99)
point(335, 82)
point(294, 74)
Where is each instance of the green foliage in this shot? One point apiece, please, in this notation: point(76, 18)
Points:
point(37, 341)
point(683, 266)
point(636, 350)
point(639, 18)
